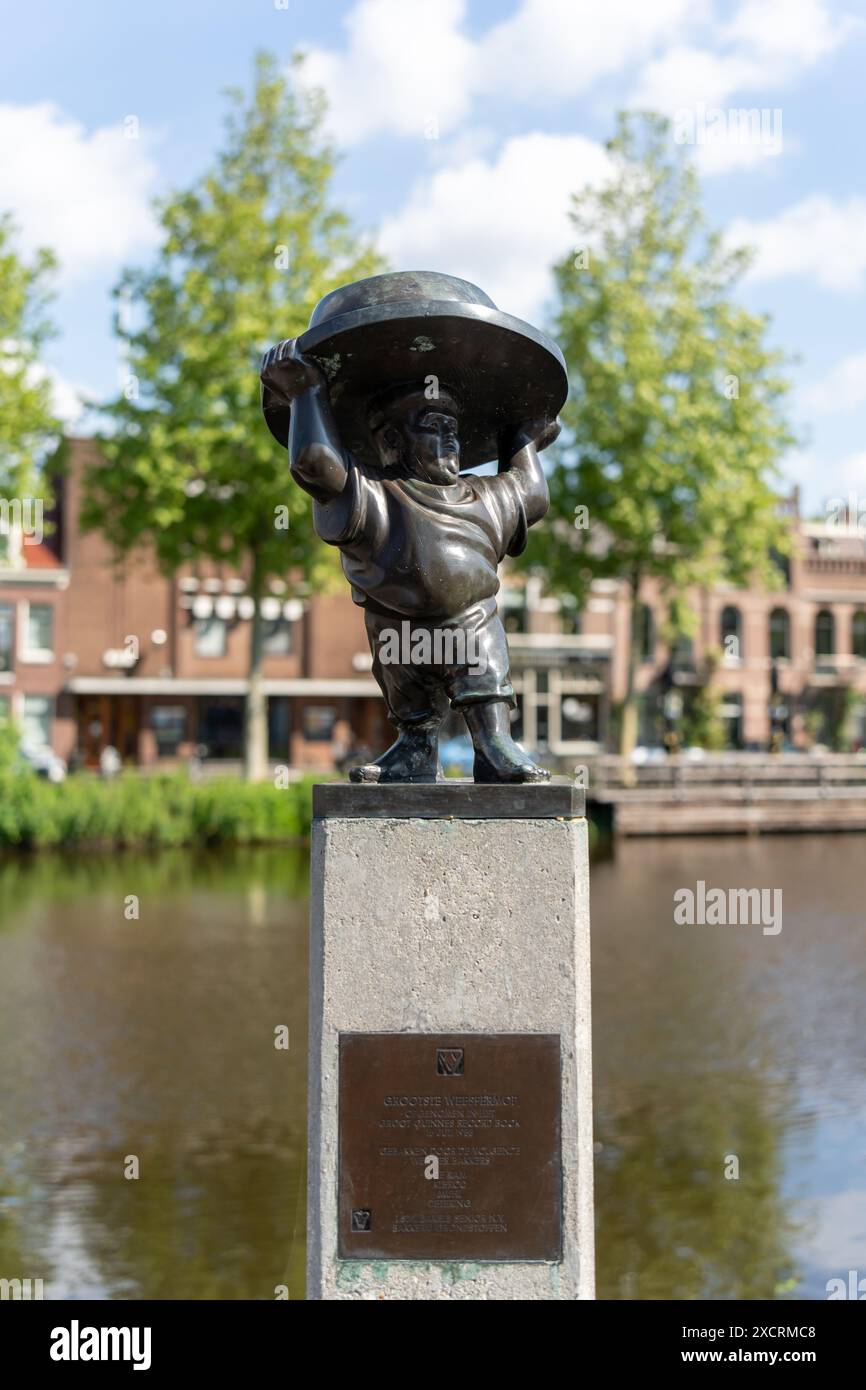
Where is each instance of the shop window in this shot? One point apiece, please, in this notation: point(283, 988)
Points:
point(579, 719)
point(780, 635)
point(825, 634)
point(318, 723)
point(221, 725)
point(731, 711)
point(169, 726)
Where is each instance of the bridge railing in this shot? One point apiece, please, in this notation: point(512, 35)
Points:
point(746, 771)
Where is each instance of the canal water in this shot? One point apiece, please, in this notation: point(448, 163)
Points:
point(152, 1133)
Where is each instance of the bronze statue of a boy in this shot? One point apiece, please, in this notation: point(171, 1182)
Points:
point(420, 541)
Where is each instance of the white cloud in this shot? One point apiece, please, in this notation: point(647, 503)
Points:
point(476, 219)
point(822, 479)
point(403, 64)
point(817, 237)
point(767, 46)
point(686, 76)
point(84, 195)
point(551, 49)
point(67, 400)
point(791, 33)
point(843, 388)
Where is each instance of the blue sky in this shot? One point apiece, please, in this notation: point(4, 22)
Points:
point(465, 124)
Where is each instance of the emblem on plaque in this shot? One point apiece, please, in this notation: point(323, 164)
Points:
point(449, 1061)
point(362, 1219)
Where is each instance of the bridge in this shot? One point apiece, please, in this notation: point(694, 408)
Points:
point(730, 794)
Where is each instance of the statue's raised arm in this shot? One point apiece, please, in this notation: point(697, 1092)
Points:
point(316, 459)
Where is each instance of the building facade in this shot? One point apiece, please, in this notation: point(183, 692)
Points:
point(92, 654)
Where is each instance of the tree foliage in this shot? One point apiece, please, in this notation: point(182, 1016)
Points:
point(247, 251)
point(28, 425)
point(674, 423)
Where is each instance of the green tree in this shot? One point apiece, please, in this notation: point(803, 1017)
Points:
point(246, 253)
point(674, 422)
point(28, 426)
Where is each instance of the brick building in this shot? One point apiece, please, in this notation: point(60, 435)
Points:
point(91, 655)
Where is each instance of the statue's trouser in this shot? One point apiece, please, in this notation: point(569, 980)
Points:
point(423, 665)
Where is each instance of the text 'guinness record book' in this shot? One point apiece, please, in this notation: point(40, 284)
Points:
point(450, 1146)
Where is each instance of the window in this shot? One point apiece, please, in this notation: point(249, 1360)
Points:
point(6, 626)
point(646, 636)
point(682, 655)
point(5, 711)
point(579, 718)
point(318, 722)
point(210, 637)
point(36, 721)
point(169, 726)
point(731, 633)
point(570, 616)
point(858, 634)
point(38, 632)
point(512, 604)
point(825, 634)
point(780, 635)
point(277, 637)
point(731, 712)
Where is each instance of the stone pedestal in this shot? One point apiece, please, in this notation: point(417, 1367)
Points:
point(450, 909)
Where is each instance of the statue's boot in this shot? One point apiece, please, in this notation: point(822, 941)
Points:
point(413, 758)
point(497, 757)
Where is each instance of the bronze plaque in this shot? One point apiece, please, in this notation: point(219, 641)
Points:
point(450, 1146)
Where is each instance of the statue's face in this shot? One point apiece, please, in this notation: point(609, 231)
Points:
point(426, 441)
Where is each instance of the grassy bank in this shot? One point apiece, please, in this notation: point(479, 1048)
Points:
point(138, 812)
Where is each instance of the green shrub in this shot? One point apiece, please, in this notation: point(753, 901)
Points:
point(134, 811)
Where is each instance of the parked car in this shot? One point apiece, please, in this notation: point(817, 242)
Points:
point(457, 755)
point(44, 762)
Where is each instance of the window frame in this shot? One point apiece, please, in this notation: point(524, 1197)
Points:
point(34, 656)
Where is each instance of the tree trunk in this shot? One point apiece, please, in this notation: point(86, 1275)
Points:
point(628, 730)
point(256, 711)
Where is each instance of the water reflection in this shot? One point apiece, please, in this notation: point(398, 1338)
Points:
point(155, 1038)
point(713, 1042)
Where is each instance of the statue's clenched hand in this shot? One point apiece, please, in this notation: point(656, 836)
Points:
point(287, 372)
